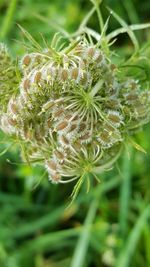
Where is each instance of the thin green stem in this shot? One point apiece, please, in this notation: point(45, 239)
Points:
point(96, 88)
point(125, 192)
point(128, 30)
point(134, 27)
point(97, 3)
point(108, 164)
point(7, 23)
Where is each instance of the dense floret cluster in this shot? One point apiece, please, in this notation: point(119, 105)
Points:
point(71, 110)
point(8, 77)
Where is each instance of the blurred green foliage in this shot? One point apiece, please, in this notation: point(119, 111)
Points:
point(109, 225)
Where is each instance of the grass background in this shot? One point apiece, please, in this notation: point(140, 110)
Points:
point(109, 226)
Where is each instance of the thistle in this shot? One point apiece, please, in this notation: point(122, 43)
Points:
point(74, 109)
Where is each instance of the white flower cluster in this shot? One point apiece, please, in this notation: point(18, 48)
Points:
point(72, 112)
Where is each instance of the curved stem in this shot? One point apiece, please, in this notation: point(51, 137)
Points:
point(108, 164)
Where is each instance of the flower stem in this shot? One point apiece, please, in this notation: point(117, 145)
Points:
point(96, 88)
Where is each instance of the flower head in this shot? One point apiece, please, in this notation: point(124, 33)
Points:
point(72, 109)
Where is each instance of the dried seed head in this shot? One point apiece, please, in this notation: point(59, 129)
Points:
point(64, 75)
point(99, 58)
point(105, 139)
point(64, 141)
point(73, 128)
point(62, 126)
point(68, 117)
point(58, 112)
point(141, 111)
point(55, 178)
point(113, 67)
point(77, 145)
point(131, 97)
point(49, 123)
point(115, 118)
point(27, 133)
point(37, 77)
point(48, 105)
point(134, 84)
point(108, 127)
point(38, 58)
point(85, 79)
point(59, 155)
point(51, 74)
point(26, 84)
point(26, 60)
point(75, 73)
point(82, 128)
point(86, 138)
point(51, 165)
point(91, 52)
point(12, 122)
point(112, 103)
point(12, 106)
point(4, 125)
point(74, 117)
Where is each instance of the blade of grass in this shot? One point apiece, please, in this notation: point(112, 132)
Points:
point(125, 192)
point(131, 11)
point(147, 242)
point(41, 223)
point(128, 29)
point(127, 251)
point(43, 242)
point(8, 19)
point(83, 242)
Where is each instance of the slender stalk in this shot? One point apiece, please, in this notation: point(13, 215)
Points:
point(7, 23)
point(125, 192)
point(108, 164)
point(134, 27)
point(99, 15)
point(96, 88)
